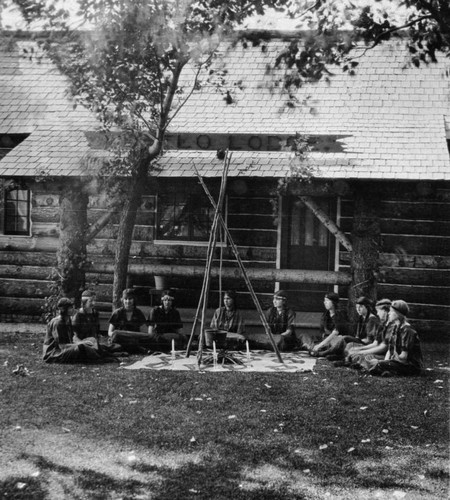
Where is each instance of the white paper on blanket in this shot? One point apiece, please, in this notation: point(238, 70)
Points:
point(260, 361)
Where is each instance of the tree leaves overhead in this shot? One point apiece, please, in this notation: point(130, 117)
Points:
point(337, 26)
point(127, 68)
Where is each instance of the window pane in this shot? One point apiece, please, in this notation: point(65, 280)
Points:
point(184, 216)
point(295, 223)
point(310, 220)
point(17, 211)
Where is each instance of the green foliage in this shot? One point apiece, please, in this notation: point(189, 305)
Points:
point(338, 26)
point(56, 292)
point(300, 170)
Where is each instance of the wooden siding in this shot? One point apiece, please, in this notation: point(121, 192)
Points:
point(414, 259)
point(415, 251)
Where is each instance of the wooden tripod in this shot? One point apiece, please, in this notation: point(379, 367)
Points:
point(206, 281)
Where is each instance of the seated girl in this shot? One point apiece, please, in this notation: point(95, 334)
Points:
point(164, 324)
point(404, 354)
point(229, 318)
point(365, 355)
point(128, 326)
point(333, 325)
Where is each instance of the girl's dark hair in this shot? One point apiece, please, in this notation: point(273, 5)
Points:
point(233, 295)
point(334, 297)
point(128, 293)
point(64, 304)
point(384, 304)
point(368, 303)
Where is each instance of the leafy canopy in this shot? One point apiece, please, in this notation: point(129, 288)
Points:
point(337, 26)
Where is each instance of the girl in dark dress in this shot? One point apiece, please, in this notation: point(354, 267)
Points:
point(58, 343)
point(333, 326)
point(128, 326)
point(229, 319)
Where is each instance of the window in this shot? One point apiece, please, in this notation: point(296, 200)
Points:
point(306, 229)
point(17, 211)
point(185, 216)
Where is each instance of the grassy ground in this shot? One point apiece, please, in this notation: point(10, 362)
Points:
point(100, 432)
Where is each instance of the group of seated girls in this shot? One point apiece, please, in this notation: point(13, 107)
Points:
point(75, 336)
point(382, 341)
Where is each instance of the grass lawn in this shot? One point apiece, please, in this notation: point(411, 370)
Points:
point(100, 432)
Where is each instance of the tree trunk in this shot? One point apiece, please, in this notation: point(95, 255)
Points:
point(126, 227)
point(71, 253)
point(366, 246)
point(138, 184)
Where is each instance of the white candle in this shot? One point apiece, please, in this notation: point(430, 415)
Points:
point(248, 349)
point(214, 355)
point(173, 346)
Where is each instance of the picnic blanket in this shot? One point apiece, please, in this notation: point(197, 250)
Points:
point(258, 361)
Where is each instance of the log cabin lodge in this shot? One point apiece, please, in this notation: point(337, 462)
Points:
point(374, 210)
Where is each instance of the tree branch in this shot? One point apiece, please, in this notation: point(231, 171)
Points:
point(380, 37)
point(191, 90)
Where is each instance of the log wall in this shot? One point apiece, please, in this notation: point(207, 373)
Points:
point(414, 259)
point(414, 263)
point(26, 263)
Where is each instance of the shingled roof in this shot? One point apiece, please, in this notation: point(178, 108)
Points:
point(34, 100)
point(391, 116)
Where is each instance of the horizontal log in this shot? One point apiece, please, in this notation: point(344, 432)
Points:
point(392, 209)
point(405, 276)
point(146, 281)
point(412, 244)
point(140, 233)
point(142, 249)
point(28, 306)
point(402, 226)
point(25, 272)
point(429, 312)
point(45, 229)
point(432, 331)
point(27, 288)
point(439, 295)
point(44, 215)
point(24, 288)
point(28, 258)
point(402, 260)
point(285, 275)
point(32, 243)
point(410, 276)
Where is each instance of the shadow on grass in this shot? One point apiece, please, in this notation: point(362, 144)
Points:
point(12, 488)
point(199, 481)
point(223, 477)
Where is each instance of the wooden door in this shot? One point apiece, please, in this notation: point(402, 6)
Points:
point(309, 245)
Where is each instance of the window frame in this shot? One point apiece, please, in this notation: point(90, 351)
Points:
point(183, 240)
point(7, 212)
